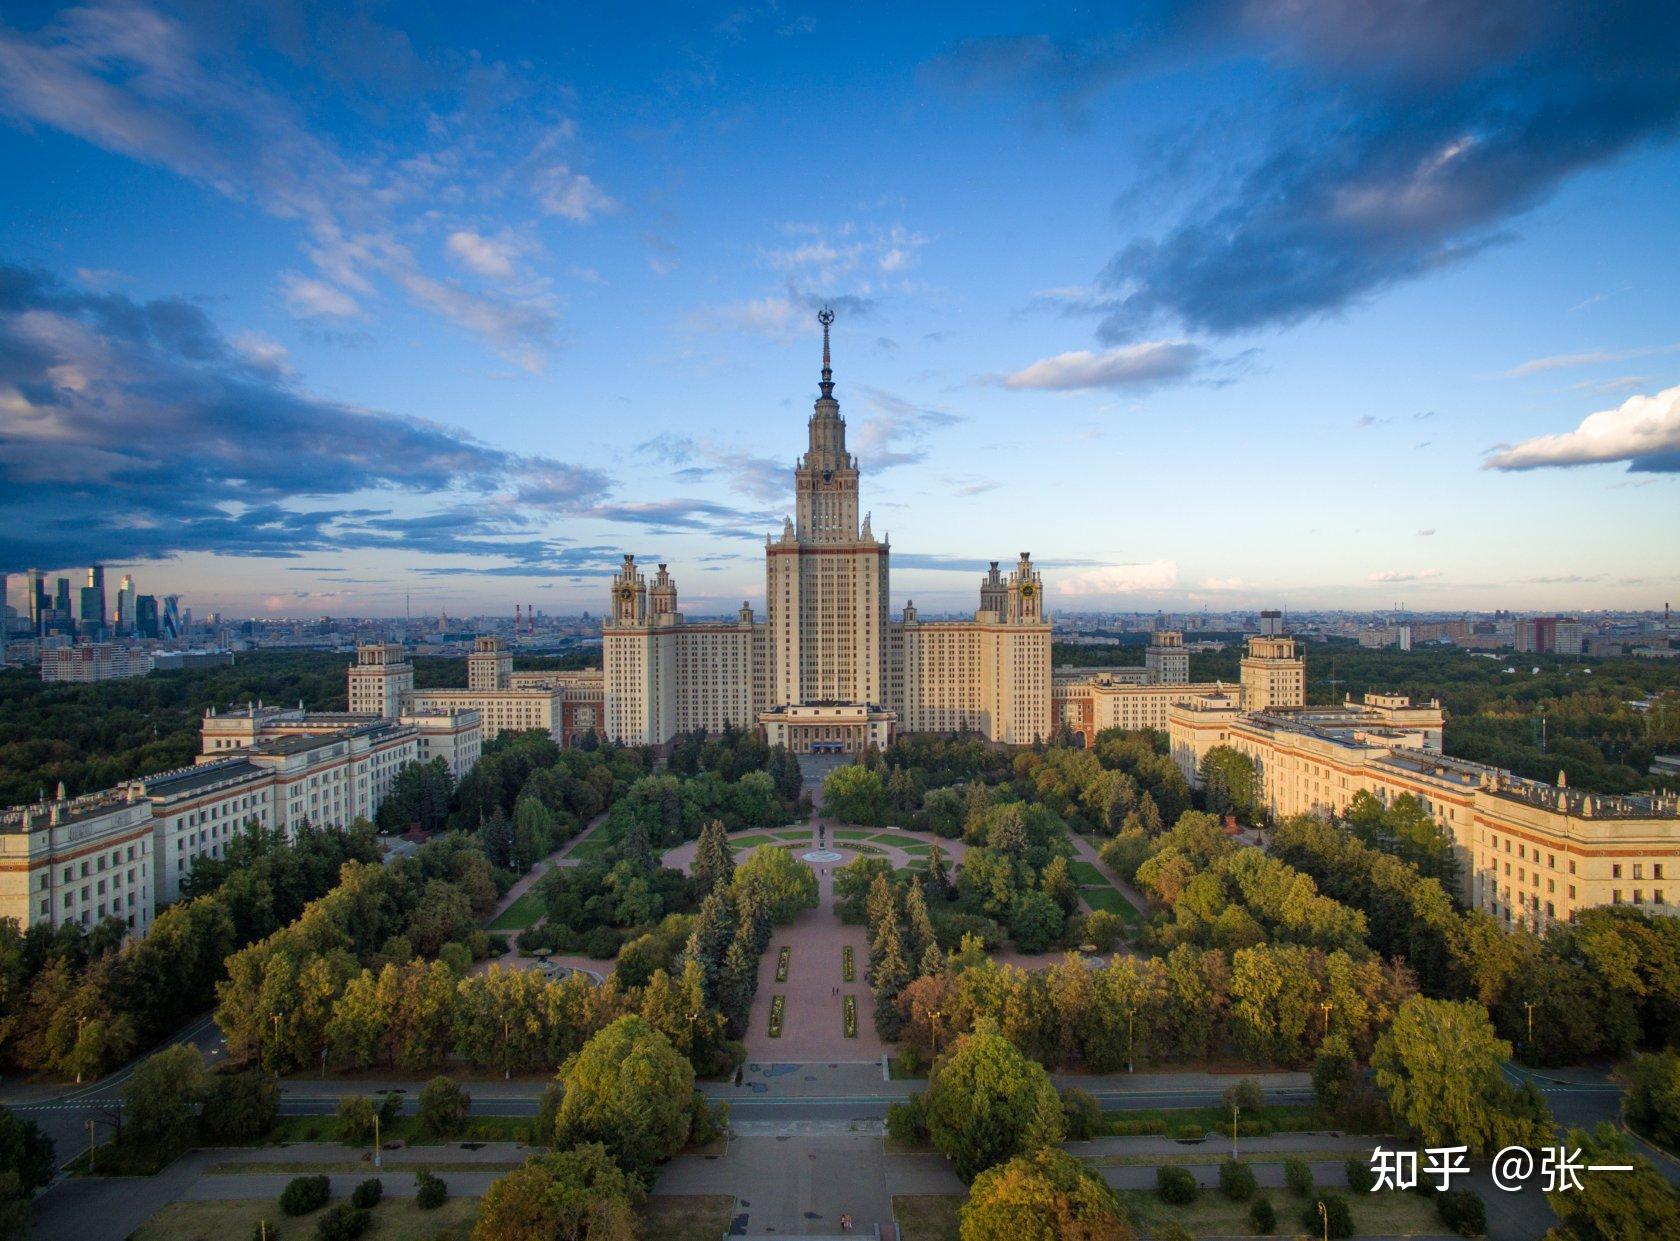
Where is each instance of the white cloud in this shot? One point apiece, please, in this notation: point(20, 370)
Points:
point(573, 195)
point(309, 298)
point(1121, 579)
point(493, 259)
point(263, 352)
point(1224, 583)
point(1126, 366)
point(1644, 431)
point(1402, 575)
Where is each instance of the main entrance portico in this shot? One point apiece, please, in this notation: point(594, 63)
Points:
point(829, 727)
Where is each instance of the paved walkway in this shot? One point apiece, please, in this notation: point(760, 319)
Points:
point(801, 1186)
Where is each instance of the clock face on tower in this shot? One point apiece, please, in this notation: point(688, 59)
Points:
point(626, 593)
point(1027, 590)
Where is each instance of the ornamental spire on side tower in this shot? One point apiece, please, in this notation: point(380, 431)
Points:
point(825, 316)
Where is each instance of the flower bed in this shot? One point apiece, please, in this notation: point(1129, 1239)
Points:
point(782, 963)
point(851, 1016)
point(848, 967)
point(777, 1006)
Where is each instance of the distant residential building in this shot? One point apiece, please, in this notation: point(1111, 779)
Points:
point(1548, 635)
point(94, 661)
point(174, 661)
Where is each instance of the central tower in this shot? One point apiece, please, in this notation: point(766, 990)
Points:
point(826, 481)
point(826, 577)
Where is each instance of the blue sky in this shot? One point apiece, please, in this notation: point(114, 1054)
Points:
point(306, 308)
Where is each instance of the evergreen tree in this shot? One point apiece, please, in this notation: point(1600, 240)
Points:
point(714, 928)
point(938, 878)
point(918, 927)
point(933, 961)
point(738, 982)
point(890, 976)
point(636, 848)
point(714, 864)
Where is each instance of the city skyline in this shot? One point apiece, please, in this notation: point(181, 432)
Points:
point(490, 303)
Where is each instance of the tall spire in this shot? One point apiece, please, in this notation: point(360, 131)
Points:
point(825, 316)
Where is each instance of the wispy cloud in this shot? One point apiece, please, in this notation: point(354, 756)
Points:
point(1590, 357)
point(1122, 367)
point(1402, 575)
point(157, 88)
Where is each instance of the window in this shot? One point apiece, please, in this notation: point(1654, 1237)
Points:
point(1616, 870)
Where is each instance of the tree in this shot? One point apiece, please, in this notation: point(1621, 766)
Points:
point(1439, 1064)
point(1058, 885)
point(988, 1103)
point(1615, 1206)
point(25, 1153)
point(239, 1107)
point(1653, 1102)
point(571, 1195)
point(1035, 921)
point(785, 885)
point(1045, 1196)
point(629, 1090)
point(714, 864)
point(160, 1101)
point(1229, 783)
point(855, 794)
point(444, 1108)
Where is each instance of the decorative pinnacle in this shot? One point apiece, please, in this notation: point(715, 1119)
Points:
point(825, 316)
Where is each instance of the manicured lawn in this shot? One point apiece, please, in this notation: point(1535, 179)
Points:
point(1387, 1214)
point(687, 1217)
point(803, 833)
point(1085, 874)
point(394, 1219)
point(917, 850)
point(751, 842)
point(1111, 900)
point(1194, 1122)
point(402, 1129)
point(851, 833)
point(522, 914)
point(592, 847)
point(927, 1217)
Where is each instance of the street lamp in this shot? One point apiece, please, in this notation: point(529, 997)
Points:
point(1130, 1012)
point(1529, 1005)
point(276, 1019)
point(933, 1019)
point(1324, 1214)
point(80, 1022)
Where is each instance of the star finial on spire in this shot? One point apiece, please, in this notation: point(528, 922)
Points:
point(825, 316)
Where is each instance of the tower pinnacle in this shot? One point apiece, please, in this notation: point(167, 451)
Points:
point(825, 316)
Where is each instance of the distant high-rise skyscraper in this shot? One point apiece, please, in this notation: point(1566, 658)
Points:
point(169, 624)
point(96, 584)
point(36, 586)
point(146, 616)
point(125, 605)
point(61, 602)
